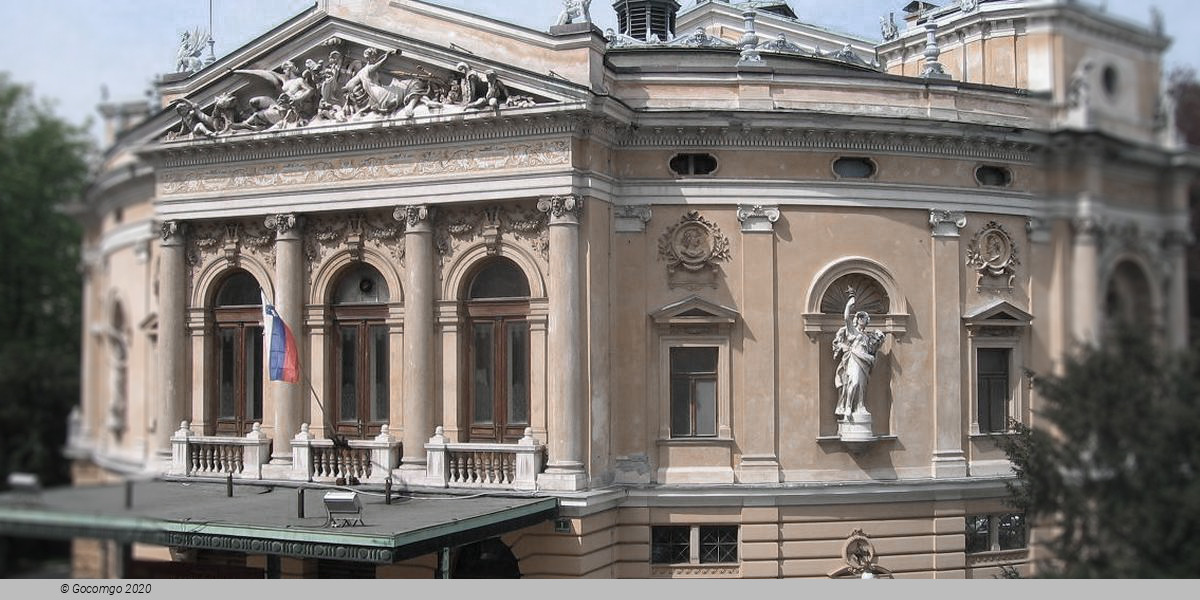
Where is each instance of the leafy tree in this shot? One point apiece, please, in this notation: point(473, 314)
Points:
point(1186, 88)
point(43, 166)
point(1116, 466)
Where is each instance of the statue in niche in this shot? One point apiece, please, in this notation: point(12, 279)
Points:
point(575, 9)
point(854, 349)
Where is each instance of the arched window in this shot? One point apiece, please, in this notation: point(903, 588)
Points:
point(359, 353)
point(497, 352)
point(237, 316)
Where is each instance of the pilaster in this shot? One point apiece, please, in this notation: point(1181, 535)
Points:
point(948, 457)
point(759, 432)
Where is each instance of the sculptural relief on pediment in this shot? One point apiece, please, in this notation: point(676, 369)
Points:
point(339, 82)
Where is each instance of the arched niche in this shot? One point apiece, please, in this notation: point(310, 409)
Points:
point(876, 292)
point(1131, 295)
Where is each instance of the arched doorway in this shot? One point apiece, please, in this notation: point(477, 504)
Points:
point(496, 353)
point(489, 559)
point(359, 358)
point(238, 355)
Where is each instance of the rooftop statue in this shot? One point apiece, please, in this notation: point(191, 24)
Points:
point(575, 9)
point(191, 45)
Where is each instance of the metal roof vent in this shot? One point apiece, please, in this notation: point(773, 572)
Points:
point(344, 509)
point(641, 19)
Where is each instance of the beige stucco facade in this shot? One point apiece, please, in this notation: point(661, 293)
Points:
point(578, 192)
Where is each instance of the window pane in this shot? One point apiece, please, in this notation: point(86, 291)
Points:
point(240, 289)
point(379, 373)
point(681, 407)
point(500, 279)
point(1011, 531)
point(254, 371)
point(977, 533)
point(718, 544)
point(693, 360)
point(226, 374)
point(348, 394)
point(670, 545)
point(361, 285)
point(518, 373)
point(482, 373)
point(706, 406)
point(993, 361)
point(999, 404)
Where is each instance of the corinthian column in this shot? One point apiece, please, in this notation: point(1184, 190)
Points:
point(172, 337)
point(418, 336)
point(565, 470)
point(1085, 276)
point(289, 302)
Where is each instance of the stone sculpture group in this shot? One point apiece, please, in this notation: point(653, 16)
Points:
point(338, 89)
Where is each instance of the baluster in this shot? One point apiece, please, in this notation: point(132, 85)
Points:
point(455, 467)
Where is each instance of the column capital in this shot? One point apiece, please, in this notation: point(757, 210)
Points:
point(562, 209)
point(417, 218)
point(1087, 226)
point(946, 223)
point(286, 225)
point(173, 233)
point(631, 219)
point(758, 218)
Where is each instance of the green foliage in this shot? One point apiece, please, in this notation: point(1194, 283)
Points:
point(1114, 461)
point(1186, 88)
point(43, 166)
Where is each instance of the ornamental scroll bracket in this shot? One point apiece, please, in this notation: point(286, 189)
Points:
point(692, 249)
point(993, 255)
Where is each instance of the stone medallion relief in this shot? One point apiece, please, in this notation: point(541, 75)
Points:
point(692, 249)
point(993, 255)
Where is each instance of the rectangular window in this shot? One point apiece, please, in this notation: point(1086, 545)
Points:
point(693, 391)
point(517, 365)
point(483, 377)
point(992, 389)
point(719, 544)
point(348, 394)
point(991, 533)
point(379, 373)
point(702, 544)
point(670, 545)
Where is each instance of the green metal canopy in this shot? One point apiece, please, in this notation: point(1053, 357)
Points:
point(263, 518)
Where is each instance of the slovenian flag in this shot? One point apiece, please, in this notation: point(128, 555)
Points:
point(283, 358)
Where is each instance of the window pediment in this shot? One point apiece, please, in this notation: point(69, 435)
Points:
point(1000, 317)
point(694, 310)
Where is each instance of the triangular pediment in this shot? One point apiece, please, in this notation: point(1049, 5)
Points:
point(999, 313)
point(334, 73)
point(695, 310)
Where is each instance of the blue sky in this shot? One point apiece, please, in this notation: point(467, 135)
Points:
point(68, 49)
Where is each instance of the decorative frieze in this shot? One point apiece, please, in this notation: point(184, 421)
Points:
point(374, 169)
point(993, 255)
point(692, 249)
point(353, 233)
point(230, 241)
point(455, 228)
